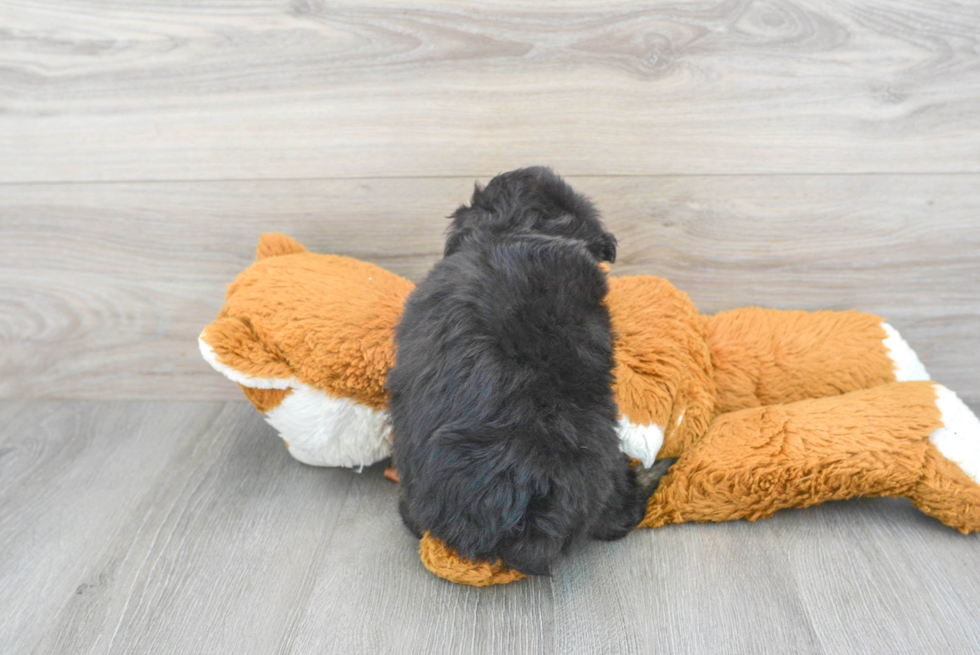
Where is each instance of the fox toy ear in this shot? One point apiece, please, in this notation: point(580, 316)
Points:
point(273, 244)
point(232, 347)
point(464, 222)
point(455, 239)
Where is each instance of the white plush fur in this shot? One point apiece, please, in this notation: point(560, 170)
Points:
point(959, 438)
point(326, 431)
point(907, 364)
point(640, 442)
point(318, 429)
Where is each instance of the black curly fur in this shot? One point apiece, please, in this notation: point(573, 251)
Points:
point(503, 416)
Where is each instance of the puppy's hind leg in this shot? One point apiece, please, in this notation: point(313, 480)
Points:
point(407, 518)
point(534, 552)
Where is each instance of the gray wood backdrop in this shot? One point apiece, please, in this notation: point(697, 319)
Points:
point(784, 153)
point(104, 287)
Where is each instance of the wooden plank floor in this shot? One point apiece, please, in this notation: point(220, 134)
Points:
point(786, 153)
point(184, 527)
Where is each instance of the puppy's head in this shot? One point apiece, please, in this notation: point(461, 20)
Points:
point(532, 200)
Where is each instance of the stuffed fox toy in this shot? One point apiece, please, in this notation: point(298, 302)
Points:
point(763, 409)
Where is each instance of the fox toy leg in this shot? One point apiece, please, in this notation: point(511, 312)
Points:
point(769, 356)
point(949, 488)
point(910, 439)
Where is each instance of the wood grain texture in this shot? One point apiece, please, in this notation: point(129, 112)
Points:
point(373, 595)
point(870, 576)
point(270, 89)
point(880, 576)
point(719, 588)
point(217, 559)
point(105, 287)
point(176, 527)
point(70, 474)
point(217, 556)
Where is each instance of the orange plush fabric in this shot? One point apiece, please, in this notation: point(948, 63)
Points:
point(663, 362)
point(755, 461)
point(325, 320)
point(768, 356)
point(448, 565)
point(764, 409)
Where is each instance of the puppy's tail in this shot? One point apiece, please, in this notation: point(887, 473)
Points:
point(531, 555)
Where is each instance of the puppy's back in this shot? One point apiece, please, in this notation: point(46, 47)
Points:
point(503, 416)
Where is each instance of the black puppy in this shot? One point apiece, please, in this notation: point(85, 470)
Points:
point(503, 416)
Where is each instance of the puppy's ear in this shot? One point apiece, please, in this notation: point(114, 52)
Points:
point(456, 235)
point(603, 248)
point(465, 220)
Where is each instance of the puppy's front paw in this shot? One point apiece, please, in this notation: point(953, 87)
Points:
point(650, 478)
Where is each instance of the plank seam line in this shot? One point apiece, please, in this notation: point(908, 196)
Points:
point(14, 183)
